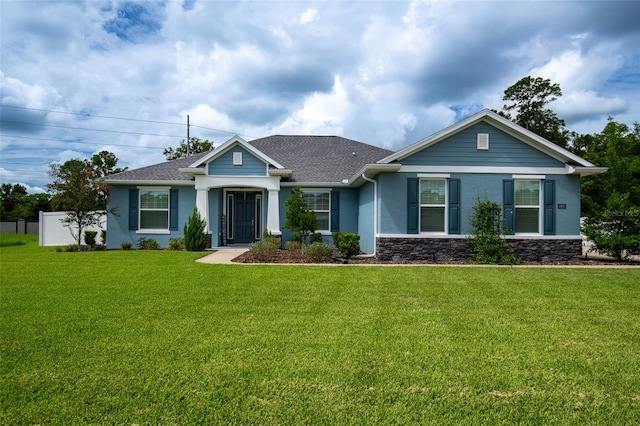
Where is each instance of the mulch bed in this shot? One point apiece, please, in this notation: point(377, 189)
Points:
point(285, 257)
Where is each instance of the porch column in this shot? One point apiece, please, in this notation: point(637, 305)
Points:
point(273, 212)
point(202, 204)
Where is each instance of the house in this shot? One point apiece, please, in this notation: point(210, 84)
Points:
point(411, 204)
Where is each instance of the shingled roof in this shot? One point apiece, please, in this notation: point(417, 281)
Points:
point(312, 159)
point(321, 159)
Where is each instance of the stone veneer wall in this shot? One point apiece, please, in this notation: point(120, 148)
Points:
point(443, 249)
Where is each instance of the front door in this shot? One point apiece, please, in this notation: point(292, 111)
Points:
point(244, 219)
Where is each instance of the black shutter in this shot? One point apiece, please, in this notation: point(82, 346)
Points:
point(173, 209)
point(335, 211)
point(133, 209)
point(413, 205)
point(549, 207)
point(454, 206)
point(508, 207)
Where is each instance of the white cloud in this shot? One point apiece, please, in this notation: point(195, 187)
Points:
point(308, 16)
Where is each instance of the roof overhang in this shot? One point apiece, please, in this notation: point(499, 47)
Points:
point(587, 171)
point(280, 172)
point(192, 171)
point(149, 182)
point(372, 170)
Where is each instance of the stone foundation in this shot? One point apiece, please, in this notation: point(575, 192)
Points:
point(457, 249)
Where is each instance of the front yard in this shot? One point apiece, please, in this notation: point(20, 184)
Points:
point(152, 337)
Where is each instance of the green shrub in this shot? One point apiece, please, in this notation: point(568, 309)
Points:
point(103, 236)
point(264, 249)
point(72, 248)
point(176, 243)
point(126, 245)
point(195, 238)
point(295, 248)
point(316, 237)
point(90, 237)
point(347, 243)
point(148, 244)
point(486, 242)
point(319, 252)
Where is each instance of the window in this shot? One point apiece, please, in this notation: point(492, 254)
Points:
point(154, 209)
point(433, 202)
point(319, 202)
point(527, 207)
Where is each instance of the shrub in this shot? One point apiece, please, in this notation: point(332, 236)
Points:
point(296, 248)
point(103, 236)
point(264, 249)
point(299, 217)
point(486, 242)
point(347, 242)
point(176, 243)
point(90, 237)
point(316, 237)
point(195, 238)
point(319, 252)
point(615, 231)
point(148, 244)
point(126, 245)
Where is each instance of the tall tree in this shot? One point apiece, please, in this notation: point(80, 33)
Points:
point(105, 162)
point(529, 97)
point(196, 146)
point(78, 189)
point(11, 196)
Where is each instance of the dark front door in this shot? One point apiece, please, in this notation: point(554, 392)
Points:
point(244, 217)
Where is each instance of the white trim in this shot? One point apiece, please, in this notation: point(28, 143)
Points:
point(153, 231)
point(486, 169)
point(434, 175)
point(155, 188)
point(529, 177)
point(445, 205)
point(145, 183)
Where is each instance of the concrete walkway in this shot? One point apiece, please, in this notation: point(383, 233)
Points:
point(222, 256)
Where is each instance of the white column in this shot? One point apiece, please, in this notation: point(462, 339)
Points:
point(202, 204)
point(273, 212)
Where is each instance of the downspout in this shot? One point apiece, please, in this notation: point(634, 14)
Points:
point(375, 214)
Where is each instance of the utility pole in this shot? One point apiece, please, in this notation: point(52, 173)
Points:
point(188, 139)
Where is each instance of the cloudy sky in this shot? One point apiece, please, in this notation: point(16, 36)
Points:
point(78, 77)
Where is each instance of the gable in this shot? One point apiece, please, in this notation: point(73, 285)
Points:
point(461, 149)
point(237, 161)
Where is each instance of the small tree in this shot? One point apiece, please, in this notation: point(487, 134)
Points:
point(299, 217)
point(486, 242)
point(78, 190)
point(616, 231)
point(195, 238)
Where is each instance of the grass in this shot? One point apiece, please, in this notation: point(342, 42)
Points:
point(141, 337)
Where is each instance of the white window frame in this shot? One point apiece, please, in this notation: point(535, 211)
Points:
point(328, 211)
point(445, 205)
point(237, 158)
point(141, 190)
point(539, 206)
point(482, 142)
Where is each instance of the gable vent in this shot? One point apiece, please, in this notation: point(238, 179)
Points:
point(483, 141)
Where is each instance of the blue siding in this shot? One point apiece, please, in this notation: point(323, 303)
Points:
point(393, 200)
point(223, 165)
point(461, 150)
point(366, 217)
point(118, 226)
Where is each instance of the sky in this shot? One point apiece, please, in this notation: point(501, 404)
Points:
point(80, 77)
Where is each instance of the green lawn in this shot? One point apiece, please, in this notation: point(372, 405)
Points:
point(133, 337)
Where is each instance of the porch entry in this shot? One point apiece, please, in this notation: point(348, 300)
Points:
point(244, 216)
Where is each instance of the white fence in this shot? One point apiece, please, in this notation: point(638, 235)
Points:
point(53, 232)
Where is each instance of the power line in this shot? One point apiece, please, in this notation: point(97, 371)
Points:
point(75, 142)
point(89, 129)
point(91, 115)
